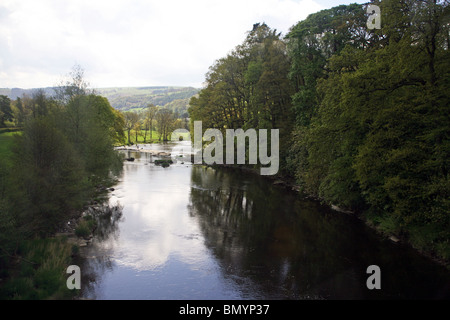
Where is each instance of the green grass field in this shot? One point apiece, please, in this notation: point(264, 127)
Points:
point(155, 137)
point(6, 141)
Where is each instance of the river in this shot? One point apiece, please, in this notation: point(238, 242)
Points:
point(198, 233)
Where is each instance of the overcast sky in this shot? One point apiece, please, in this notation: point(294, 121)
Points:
point(132, 43)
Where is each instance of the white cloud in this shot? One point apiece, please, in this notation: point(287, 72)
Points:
point(130, 43)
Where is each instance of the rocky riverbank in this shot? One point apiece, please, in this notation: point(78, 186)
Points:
point(78, 230)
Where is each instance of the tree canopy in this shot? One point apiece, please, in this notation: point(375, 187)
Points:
point(364, 114)
point(64, 152)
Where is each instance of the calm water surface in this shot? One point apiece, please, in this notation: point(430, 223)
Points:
point(192, 232)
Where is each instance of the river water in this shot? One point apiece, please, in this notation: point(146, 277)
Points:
point(198, 233)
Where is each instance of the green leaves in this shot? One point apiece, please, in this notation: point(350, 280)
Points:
point(5, 110)
point(48, 175)
point(249, 88)
point(374, 119)
point(365, 112)
point(64, 152)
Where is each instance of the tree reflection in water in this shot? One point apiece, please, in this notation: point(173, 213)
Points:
point(95, 263)
point(218, 233)
point(271, 241)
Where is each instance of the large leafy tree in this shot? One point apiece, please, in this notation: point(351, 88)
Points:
point(48, 178)
point(165, 123)
point(409, 132)
point(376, 133)
point(131, 119)
point(5, 110)
point(313, 41)
point(66, 149)
point(93, 126)
point(249, 88)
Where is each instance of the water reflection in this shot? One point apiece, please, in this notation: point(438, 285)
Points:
point(292, 248)
point(97, 262)
point(159, 252)
point(192, 232)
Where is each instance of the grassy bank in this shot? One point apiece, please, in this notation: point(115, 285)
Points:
point(37, 268)
point(37, 271)
point(6, 141)
point(31, 268)
point(154, 137)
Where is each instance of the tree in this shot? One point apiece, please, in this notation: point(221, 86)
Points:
point(18, 112)
point(329, 143)
point(91, 125)
point(314, 40)
point(75, 85)
point(63, 154)
point(148, 117)
point(47, 177)
point(249, 88)
point(5, 110)
point(374, 133)
point(98, 132)
point(151, 115)
point(145, 124)
point(165, 120)
point(131, 119)
point(27, 106)
point(409, 128)
point(137, 130)
point(118, 127)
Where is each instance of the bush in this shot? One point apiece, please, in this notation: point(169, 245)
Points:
point(85, 227)
point(82, 230)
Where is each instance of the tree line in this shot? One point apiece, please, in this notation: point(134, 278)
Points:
point(57, 162)
point(131, 126)
point(363, 114)
point(63, 151)
point(142, 124)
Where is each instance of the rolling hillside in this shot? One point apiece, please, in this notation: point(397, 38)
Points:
point(132, 98)
point(124, 99)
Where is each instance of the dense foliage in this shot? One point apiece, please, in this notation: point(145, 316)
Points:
point(363, 114)
point(54, 166)
point(249, 88)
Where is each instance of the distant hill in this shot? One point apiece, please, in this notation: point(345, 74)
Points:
point(137, 98)
point(129, 98)
point(15, 93)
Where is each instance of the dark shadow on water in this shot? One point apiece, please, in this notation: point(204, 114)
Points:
point(292, 248)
